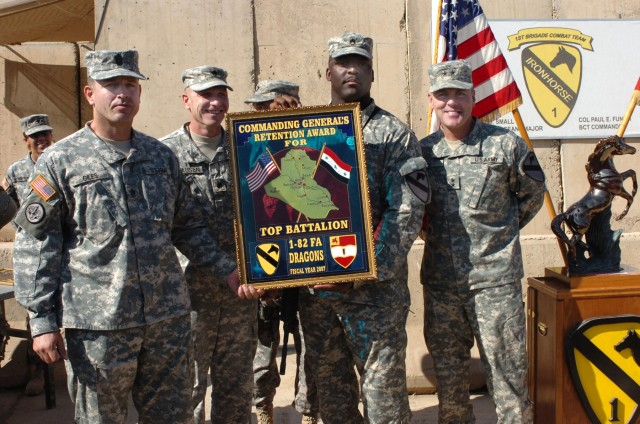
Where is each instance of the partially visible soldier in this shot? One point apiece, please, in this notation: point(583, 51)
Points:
point(223, 326)
point(364, 323)
point(94, 253)
point(274, 95)
point(487, 185)
point(8, 208)
point(37, 134)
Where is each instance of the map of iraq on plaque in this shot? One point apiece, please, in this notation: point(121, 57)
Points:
point(301, 198)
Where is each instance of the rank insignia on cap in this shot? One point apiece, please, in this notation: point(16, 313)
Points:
point(5, 184)
point(42, 187)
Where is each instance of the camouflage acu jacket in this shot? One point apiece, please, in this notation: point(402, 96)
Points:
point(397, 207)
point(210, 183)
point(96, 234)
point(483, 192)
point(17, 178)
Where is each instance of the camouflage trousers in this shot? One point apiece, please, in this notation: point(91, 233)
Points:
point(224, 342)
point(265, 368)
point(150, 362)
point(495, 318)
point(341, 335)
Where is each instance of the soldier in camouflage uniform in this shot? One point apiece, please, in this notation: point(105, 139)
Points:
point(486, 185)
point(223, 326)
point(38, 135)
point(8, 208)
point(272, 95)
point(94, 253)
point(363, 324)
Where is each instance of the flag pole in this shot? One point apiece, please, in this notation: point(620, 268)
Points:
point(635, 101)
point(547, 198)
point(314, 174)
point(435, 32)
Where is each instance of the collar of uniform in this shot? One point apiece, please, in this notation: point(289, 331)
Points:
point(470, 146)
point(195, 153)
point(368, 112)
point(109, 154)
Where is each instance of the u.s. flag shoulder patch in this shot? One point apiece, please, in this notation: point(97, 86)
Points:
point(42, 187)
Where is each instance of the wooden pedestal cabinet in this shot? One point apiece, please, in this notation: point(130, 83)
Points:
point(556, 305)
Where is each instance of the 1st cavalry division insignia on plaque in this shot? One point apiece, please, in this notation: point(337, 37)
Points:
point(552, 69)
point(603, 355)
point(268, 255)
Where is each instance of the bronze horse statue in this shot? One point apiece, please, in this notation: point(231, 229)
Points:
point(606, 183)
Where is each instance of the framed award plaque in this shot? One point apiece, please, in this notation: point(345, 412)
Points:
point(300, 196)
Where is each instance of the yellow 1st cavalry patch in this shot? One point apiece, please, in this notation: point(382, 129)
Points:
point(603, 355)
point(42, 188)
point(268, 255)
point(553, 72)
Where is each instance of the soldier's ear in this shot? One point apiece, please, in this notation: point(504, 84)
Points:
point(185, 100)
point(88, 94)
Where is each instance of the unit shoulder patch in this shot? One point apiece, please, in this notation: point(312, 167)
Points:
point(34, 213)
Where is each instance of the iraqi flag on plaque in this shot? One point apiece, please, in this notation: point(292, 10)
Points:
point(344, 249)
point(332, 163)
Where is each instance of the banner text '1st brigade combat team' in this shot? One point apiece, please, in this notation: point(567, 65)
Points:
point(301, 197)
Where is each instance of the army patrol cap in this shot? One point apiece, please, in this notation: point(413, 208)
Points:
point(452, 74)
point(35, 123)
point(204, 77)
point(105, 64)
point(350, 43)
point(270, 89)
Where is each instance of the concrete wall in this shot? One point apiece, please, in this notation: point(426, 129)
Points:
point(259, 39)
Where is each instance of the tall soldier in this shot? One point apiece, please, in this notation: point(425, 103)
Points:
point(94, 253)
point(487, 185)
point(273, 95)
point(223, 326)
point(364, 324)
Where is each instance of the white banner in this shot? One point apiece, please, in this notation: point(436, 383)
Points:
point(576, 77)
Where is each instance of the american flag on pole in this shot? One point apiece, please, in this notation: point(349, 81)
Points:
point(460, 31)
point(261, 171)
